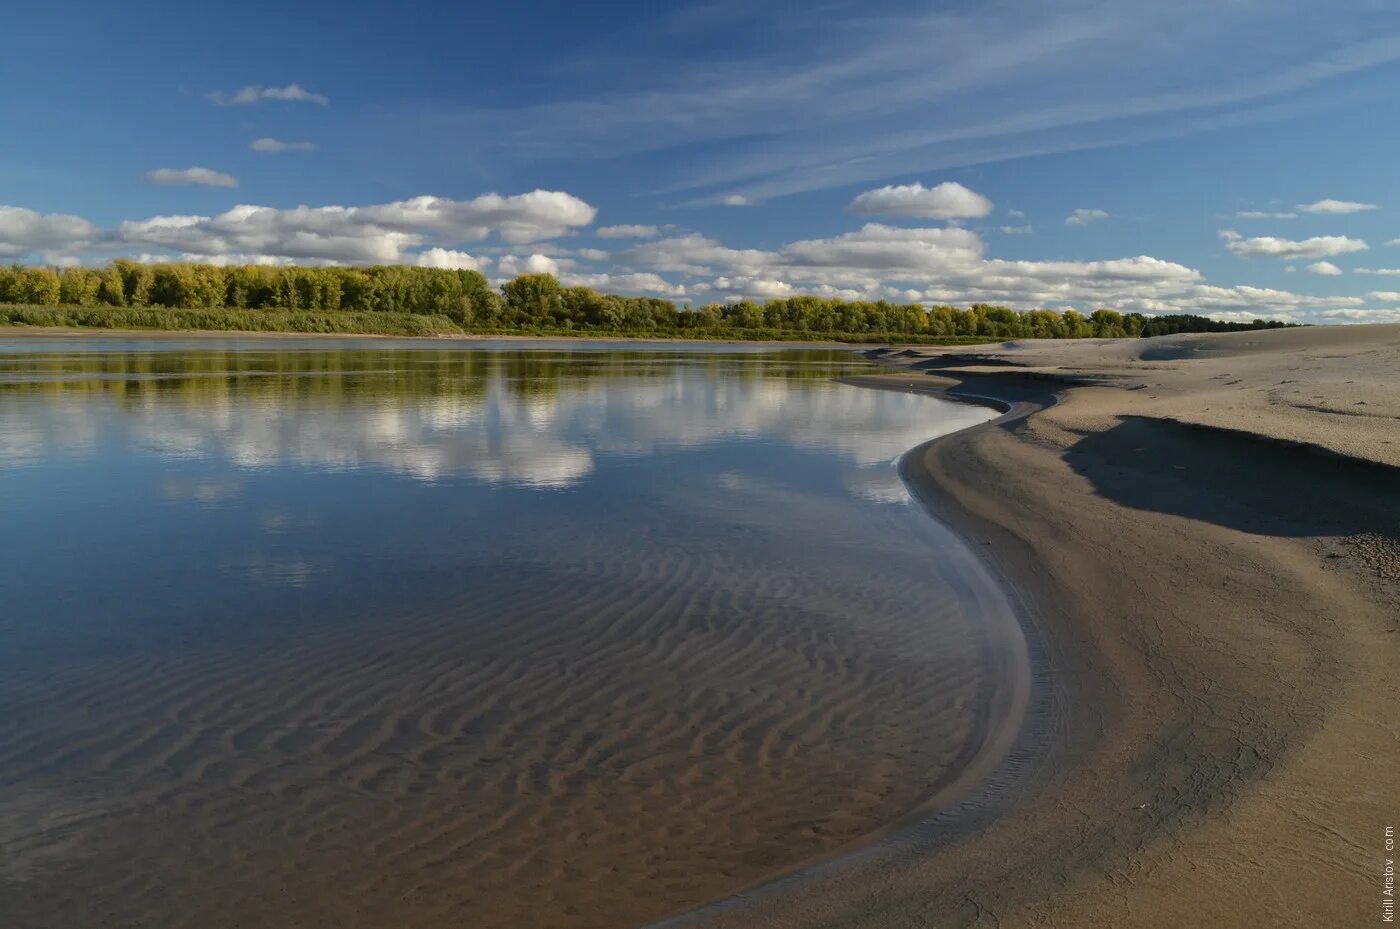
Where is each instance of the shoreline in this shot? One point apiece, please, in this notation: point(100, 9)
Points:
point(1213, 658)
point(102, 332)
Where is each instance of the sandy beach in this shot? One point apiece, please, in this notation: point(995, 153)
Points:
point(1201, 534)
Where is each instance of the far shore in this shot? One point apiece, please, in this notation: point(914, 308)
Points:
point(1203, 533)
point(88, 332)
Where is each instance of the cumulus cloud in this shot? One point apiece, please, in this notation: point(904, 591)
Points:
point(751, 288)
point(447, 258)
point(626, 283)
point(1016, 230)
point(1083, 217)
point(735, 200)
point(362, 234)
point(515, 265)
point(183, 177)
point(1325, 268)
point(1324, 246)
point(24, 231)
point(949, 200)
point(933, 265)
point(1384, 296)
point(255, 93)
point(1336, 207)
point(1345, 316)
point(1264, 214)
point(277, 145)
point(627, 232)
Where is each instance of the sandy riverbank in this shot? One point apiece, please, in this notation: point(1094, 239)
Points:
point(1202, 533)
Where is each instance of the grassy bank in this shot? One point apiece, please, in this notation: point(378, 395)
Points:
point(396, 324)
point(304, 321)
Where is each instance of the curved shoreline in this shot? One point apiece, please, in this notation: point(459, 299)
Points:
point(1174, 617)
point(1020, 709)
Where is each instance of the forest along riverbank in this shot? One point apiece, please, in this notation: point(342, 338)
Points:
point(1203, 530)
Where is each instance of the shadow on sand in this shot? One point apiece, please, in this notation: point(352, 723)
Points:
point(1236, 480)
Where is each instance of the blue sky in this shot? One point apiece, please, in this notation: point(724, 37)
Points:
point(938, 152)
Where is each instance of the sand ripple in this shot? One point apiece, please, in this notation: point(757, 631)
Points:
point(598, 743)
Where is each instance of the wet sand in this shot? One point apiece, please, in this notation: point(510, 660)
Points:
point(1202, 534)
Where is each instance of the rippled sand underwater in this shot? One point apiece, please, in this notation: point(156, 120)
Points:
point(326, 634)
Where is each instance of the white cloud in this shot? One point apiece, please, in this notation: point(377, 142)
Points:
point(449, 259)
point(277, 145)
point(1016, 230)
point(24, 231)
point(751, 288)
point(1083, 217)
point(626, 283)
point(1325, 268)
point(876, 246)
point(1384, 296)
point(936, 265)
point(540, 214)
point(735, 200)
point(178, 177)
point(1336, 207)
point(1388, 272)
point(1015, 214)
point(255, 93)
point(949, 200)
point(626, 232)
point(362, 234)
point(1264, 214)
point(1354, 317)
point(510, 266)
point(947, 265)
point(1269, 247)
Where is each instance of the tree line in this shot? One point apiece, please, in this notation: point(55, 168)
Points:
point(539, 302)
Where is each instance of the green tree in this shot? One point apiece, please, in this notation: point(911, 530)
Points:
point(532, 297)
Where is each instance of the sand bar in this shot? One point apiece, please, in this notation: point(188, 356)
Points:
point(1202, 533)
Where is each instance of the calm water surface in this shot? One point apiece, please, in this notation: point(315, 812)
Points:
point(335, 633)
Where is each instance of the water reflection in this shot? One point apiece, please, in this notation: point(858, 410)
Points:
point(298, 632)
point(532, 418)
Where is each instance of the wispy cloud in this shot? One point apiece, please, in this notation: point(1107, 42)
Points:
point(185, 177)
point(872, 92)
point(1336, 207)
point(277, 145)
point(1264, 214)
point(1323, 246)
point(626, 232)
point(256, 93)
point(1083, 217)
